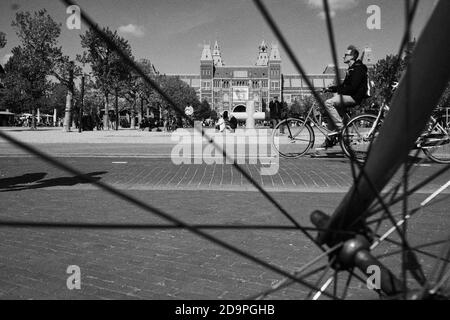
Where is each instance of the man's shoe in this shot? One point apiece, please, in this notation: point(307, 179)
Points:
point(328, 143)
point(333, 134)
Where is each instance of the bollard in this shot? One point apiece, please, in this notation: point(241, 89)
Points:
point(250, 122)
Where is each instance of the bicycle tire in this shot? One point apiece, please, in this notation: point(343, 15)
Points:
point(289, 145)
point(439, 144)
point(352, 135)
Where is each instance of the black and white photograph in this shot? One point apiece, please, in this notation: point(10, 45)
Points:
point(227, 157)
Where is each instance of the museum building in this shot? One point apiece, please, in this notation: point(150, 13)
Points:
point(230, 87)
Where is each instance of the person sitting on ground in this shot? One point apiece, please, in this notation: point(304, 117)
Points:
point(224, 122)
point(349, 94)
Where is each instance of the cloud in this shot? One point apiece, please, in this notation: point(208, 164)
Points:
point(335, 5)
point(134, 30)
point(6, 58)
point(322, 15)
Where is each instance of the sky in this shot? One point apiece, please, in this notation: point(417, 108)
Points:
point(171, 33)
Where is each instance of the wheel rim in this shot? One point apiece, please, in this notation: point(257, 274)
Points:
point(296, 140)
point(357, 137)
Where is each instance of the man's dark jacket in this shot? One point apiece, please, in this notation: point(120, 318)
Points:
point(355, 82)
point(275, 109)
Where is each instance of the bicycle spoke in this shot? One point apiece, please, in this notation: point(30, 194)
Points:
point(126, 59)
point(297, 273)
point(130, 226)
point(271, 22)
point(335, 283)
point(416, 249)
point(415, 188)
point(283, 284)
point(438, 274)
point(347, 283)
point(317, 283)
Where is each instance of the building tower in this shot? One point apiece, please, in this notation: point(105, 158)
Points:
point(217, 56)
point(206, 74)
point(275, 72)
point(263, 57)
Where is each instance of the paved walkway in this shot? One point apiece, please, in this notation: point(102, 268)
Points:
point(160, 262)
point(123, 136)
point(302, 175)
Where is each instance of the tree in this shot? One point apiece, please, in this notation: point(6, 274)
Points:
point(445, 99)
point(387, 71)
point(180, 92)
point(135, 87)
point(2, 40)
point(214, 116)
point(203, 111)
point(107, 67)
point(2, 45)
point(146, 92)
point(384, 74)
point(56, 99)
point(16, 94)
point(32, 61)
point(300, 108)
point(297, 110)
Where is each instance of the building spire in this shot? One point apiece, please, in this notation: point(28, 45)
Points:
point(217, 56)
point(206, 54)
point(275, 53)
point(263, 57)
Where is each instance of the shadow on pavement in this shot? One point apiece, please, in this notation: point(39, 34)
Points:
point(23, 179)
point(34, 181)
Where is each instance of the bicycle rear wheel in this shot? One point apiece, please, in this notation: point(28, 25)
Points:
point(436, 145)
point(293, 138)
point(357, 137)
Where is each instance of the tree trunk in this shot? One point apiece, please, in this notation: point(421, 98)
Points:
point(133, 115)
point(117, 108)
point(106, 115)
point(33, 118)
point(67, 115)
point(141, 112)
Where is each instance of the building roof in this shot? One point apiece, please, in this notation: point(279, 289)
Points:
point(331, 69)
point(206, 53)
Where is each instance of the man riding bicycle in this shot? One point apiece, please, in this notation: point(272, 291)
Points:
point(349, 94)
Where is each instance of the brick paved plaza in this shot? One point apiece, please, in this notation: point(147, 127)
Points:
point(161, 262)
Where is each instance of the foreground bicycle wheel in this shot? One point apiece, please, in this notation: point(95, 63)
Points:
point(436, 145)
point(293, 138)
point(357, 136)
point(357, 232)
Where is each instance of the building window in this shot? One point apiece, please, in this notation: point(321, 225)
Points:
point(275, 84)
point(206, 84)
point(240, 74)
point(264, 83)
